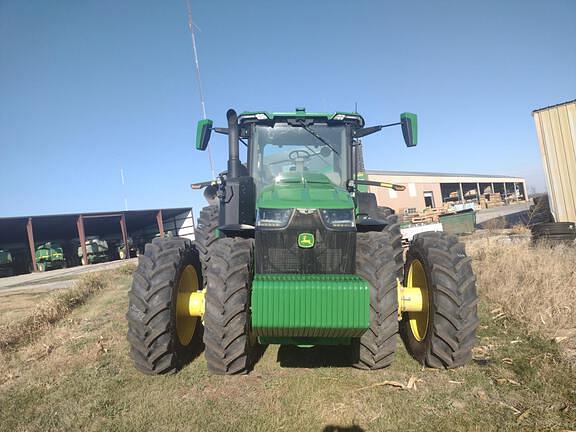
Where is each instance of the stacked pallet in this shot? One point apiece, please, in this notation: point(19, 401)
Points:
point(422, 219)
point(491, 200)
point(430, 215)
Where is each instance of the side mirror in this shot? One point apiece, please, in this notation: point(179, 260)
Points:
point(409, 124)
point(203, 131)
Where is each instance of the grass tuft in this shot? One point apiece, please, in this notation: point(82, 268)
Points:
point(49, 311)
point(126, 270)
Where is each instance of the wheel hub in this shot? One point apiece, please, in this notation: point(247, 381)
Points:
point(189, 305)
point(413, 300)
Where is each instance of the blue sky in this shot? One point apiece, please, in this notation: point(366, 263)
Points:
point(90, 87)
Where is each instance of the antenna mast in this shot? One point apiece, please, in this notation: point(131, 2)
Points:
point(124, 189)
point(198, 77)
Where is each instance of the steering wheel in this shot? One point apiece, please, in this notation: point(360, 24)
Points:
point(299, 155)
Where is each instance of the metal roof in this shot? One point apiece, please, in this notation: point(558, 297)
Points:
point(55, 226)
point(166, 211)
point(437, 174)
point(554, 106)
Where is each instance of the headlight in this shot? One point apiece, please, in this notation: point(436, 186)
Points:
point(338, 218)
point(273, 218)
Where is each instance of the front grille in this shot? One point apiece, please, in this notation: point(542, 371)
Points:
point(277, 251)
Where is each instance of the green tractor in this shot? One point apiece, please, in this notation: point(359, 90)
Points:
point(96, 250)
point(293, 249)
point(50, 256)
point(6, 263)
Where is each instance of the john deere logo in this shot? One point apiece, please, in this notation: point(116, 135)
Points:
point(306, 240)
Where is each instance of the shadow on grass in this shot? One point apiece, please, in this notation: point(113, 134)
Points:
point(335, 428)
point(507, 221)
point(291, 356)
point(196, 346)
point(257, 355)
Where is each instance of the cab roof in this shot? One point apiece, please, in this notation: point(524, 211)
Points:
point(301, 113)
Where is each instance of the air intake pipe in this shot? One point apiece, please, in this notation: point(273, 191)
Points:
point(234, 166)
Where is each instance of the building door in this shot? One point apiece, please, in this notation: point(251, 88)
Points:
point(429, 199)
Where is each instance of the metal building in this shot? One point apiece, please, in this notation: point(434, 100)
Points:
point(125, 232)
point(556, 129)
point(435, 190)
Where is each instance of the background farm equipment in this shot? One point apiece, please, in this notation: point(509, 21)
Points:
point(6, 263)
point(97, 250)
point(50, 256)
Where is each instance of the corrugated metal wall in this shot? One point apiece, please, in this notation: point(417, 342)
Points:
point(556, 129)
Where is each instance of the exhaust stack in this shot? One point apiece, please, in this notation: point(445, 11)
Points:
point(234, 165)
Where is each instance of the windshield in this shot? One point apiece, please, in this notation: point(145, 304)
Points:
point(282, 148)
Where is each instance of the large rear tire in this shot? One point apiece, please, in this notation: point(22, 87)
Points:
point(444, 333)
point(206, 234)
point(393, 229)
point(554, 233)
point(227, 335)
point(375, 262)
point(162, 335)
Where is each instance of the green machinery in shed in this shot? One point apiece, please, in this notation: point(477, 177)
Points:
point(293, 249)
point(50, 256)
point(97, 250)
point(6, 263)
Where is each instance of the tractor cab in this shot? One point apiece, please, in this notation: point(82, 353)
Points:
point(284, 146)
point(308, 156)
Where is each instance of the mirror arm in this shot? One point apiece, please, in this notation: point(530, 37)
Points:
point(359, 133)
point(393, 186)
point(391, 124)
point(202, 185)
point(223, 131)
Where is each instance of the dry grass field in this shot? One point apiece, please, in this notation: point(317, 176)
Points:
point(73, 373)
point(534, 285)
point(18, 303)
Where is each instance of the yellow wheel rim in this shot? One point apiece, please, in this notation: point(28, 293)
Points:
point(185, 323)
point(419, 320)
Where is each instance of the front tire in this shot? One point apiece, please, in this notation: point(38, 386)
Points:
point(227, 336)
point(375, 262)
point(162, 335)
point(444, 333)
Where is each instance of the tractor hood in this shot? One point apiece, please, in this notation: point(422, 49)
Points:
point(304, 190)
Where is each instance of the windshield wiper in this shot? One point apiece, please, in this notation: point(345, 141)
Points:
point(315, 135)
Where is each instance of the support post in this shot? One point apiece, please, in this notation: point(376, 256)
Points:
point(30, 232)
point(505, 194)
point(82, 237)
point(160, 223)
point(462, 200)
point(478, 192)
point(124, 236)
